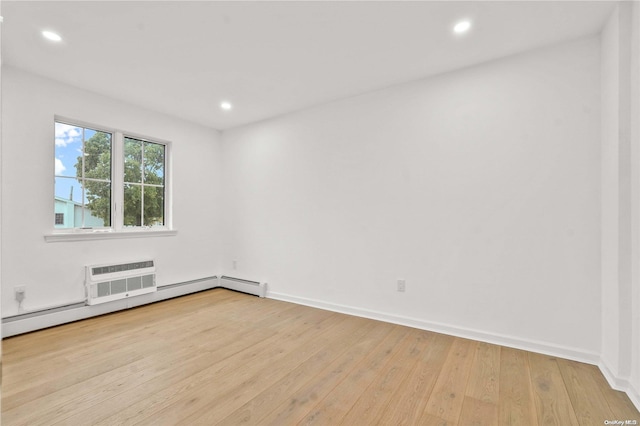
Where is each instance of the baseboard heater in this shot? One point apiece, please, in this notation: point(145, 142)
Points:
point(245, 286)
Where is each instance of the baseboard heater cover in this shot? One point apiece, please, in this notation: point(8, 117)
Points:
point(245, 286)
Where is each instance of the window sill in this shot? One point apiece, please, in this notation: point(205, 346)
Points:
point(108, 235)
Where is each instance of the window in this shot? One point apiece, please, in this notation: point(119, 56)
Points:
point(108, 179)
point(143, 183)
point(83, 176)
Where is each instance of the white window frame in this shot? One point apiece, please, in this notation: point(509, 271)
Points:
point(117, 228)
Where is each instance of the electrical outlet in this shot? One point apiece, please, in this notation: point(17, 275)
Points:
point(20, 293)
point(401, 286)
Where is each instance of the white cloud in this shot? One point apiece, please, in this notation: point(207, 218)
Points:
point(59, 167)
point(66, 134)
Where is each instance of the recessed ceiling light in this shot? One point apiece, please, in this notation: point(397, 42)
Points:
point(462, 27)
point(49, 35)
point(225, 106)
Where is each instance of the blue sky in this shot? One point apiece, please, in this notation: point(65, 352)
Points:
point(68, 149)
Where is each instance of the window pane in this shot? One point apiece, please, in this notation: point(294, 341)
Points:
point(68, 189)
point(68, 199)
point(153, 163)
point(132, 205)
point(132, 160)
point(98, 204)
point(81, 155)
point(68, 152)
point(153, 206)
point(97, 155)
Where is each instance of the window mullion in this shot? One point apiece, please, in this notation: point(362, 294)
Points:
point(117, 182)
point(142, 183)
point(82, 186)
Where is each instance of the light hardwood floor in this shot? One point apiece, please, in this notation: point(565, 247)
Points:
point(220, 357)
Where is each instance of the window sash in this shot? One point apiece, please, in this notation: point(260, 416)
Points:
point(144, 145)
point(82, 219)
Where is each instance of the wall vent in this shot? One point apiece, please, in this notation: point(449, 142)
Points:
point(251, 287)
point(108, 282)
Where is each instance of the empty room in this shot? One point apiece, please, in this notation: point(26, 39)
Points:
point(358, 213)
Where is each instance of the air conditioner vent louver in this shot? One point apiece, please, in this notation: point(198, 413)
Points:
point(99, 270)
point(105, 283)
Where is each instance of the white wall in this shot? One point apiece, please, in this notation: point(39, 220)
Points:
point(612, 154)
point(53, 272)
point(635, 200)
point(610, 190)
point(0, 190)
point(620, 201)
point(478, 187)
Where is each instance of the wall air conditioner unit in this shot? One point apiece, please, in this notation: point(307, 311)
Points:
point(108, 282)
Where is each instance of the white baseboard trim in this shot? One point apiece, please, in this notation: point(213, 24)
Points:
point(615, 382)
point(466, 333)
point(20, 324)
point(634, 396)
point(622, 384)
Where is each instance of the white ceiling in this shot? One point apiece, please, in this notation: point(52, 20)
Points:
point(270, 58)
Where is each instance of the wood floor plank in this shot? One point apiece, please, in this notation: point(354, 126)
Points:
point(216, 376)
point(430, 420)
point(108, 357)
point(256, 379)
point(484, 378)
point(221, 357)
point(52, 407)
point(516, 403)
point(51, 363)
point(305, 399)
point(587, 400)
point(257, 408)
point(476, 412)
point(376, 397)
point(553, 404)
point(112, 324)
point(447, 396)
point(333, 407)
point(407, 405)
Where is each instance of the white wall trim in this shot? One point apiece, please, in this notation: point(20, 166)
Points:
point(466, 333)
point(634, 395)
point(617, 383)
point(108, 235)
point(622, 384)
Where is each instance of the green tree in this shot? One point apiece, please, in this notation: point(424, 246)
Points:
point(139, 172)
point(97, 165)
